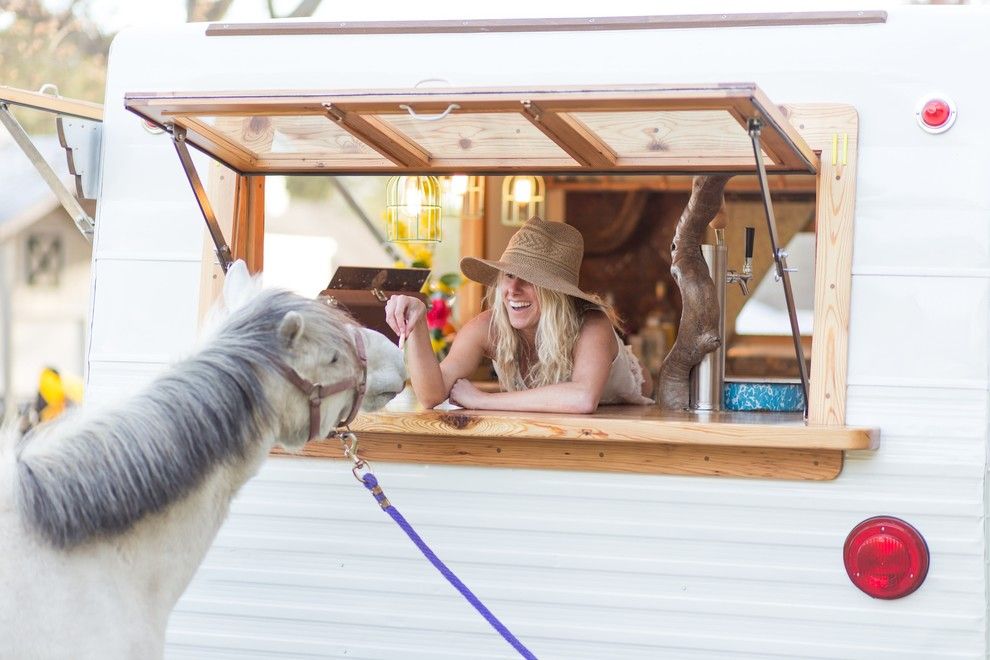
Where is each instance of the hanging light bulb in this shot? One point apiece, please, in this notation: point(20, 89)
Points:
point(412, 209)
point(413, 202)
point(463, 196)
point(522, 190)
point(459, 184)
point(522, 198)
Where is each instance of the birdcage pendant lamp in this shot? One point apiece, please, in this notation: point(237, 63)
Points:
point(413, 209)
point(523, 197)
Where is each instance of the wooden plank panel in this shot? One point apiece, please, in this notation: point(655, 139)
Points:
point(784, 130)
point(214, 143)
point(381, 120)
point(572, 136)
point(476, 135)
point(381, 137)
point(635, 424)
point(788, 183)
point(248, 232)
point(49, 103)
point(223, 190)
point(471, 294)
point(160, 105)
point(602, 456)
point(833, 260)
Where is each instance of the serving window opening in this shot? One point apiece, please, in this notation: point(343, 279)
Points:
point(617, 163)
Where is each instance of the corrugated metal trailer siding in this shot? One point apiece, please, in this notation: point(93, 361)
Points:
point(586, 565)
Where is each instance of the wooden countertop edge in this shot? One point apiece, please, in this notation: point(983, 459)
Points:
point(635, 430)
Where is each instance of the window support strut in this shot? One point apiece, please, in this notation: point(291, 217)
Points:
point(779, 256)
point(224, 257)
point(65, 197)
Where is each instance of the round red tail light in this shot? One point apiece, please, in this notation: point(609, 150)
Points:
point(936, 115)
point(885, 557)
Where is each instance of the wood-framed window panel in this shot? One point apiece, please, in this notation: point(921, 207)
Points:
point(493, 130)
point(628, 441)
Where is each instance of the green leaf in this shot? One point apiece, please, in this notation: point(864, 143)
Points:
point(453, 280)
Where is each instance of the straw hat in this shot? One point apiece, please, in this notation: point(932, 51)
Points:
point(547, 254)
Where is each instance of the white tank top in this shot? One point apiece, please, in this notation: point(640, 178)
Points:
point(625, 378)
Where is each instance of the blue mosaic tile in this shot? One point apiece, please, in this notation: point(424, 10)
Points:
point(768, 396)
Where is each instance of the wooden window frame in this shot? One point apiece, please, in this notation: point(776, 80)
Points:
point(621, 439)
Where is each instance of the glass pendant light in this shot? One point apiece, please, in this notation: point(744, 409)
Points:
point(463, 196)
point(413, 209)
point(523, 197)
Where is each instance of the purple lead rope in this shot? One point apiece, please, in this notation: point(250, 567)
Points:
point(371, 483)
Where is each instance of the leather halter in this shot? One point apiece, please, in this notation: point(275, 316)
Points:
point(316, 392)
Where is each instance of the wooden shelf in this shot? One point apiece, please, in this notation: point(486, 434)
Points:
point(639, 439)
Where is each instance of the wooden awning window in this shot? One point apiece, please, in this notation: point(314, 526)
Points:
point(646, 128)
point(564, 130)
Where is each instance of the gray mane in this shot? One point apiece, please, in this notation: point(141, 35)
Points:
point(100, 478)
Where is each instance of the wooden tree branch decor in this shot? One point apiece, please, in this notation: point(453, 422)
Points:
point(697, 334)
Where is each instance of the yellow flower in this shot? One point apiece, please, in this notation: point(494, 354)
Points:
point(438, 344)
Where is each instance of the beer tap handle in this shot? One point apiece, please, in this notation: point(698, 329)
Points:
point(748, 262)
point(742, 279)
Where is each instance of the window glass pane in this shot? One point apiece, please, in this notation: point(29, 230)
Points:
point(305, 135)
point(310, 230)
point(698, 134)
point(765, 312)
point(479, 136)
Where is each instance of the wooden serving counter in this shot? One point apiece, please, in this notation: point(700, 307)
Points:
point(640, 439)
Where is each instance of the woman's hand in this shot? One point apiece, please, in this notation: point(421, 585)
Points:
point(402, 313)
point(466, 395)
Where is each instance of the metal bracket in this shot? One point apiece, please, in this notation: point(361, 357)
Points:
point(779, 256)
point(62, 193)
point(222, 249)
point(81, 139)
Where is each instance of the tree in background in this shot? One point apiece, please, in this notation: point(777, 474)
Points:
point(64, 46)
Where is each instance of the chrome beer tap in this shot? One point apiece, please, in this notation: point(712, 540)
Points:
point(743, 278)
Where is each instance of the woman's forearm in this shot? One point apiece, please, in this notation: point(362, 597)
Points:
point(424, 370)
point(563, 397)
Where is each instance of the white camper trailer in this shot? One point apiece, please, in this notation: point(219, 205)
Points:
point(623, 534)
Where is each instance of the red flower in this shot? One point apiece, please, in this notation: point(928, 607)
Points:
point(438, 313)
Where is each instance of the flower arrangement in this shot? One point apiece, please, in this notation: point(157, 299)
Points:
point(440, 292)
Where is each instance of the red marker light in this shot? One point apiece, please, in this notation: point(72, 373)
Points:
point(936, 114)
point(886, 557)
point(152, 127)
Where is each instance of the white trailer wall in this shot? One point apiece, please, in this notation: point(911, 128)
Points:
point(589, 565)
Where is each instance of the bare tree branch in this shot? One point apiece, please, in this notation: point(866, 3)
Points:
point(205, 10)
point(305, 8)
point(698, 332)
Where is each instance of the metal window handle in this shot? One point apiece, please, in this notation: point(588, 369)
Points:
point(414, 115)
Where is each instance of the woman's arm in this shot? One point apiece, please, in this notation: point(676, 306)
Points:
point(594, 353)
point(431, 381)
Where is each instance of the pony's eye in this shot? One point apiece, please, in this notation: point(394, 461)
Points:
point(335, 358)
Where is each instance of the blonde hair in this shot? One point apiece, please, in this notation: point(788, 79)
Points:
point(557, 331)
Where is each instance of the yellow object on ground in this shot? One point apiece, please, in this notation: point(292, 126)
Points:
point(55, 393)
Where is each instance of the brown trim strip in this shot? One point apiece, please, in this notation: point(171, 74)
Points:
point(49, 103)
point(605, 456)
point(698, 21)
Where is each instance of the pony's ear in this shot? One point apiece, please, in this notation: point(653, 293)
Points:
point(239, 286)
point(291, 328)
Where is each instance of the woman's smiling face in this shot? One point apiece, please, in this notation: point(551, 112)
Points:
point(521, 302)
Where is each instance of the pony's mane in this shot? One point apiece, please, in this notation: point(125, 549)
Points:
point(93, 476)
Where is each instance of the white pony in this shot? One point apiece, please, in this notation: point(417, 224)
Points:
point(105, 516)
